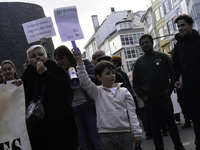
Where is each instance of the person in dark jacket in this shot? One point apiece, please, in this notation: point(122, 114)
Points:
point(82, 103)
point(186, 62)
point(58, 129)
point(151, 83)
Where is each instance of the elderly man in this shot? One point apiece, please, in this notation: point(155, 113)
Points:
point(96, 55)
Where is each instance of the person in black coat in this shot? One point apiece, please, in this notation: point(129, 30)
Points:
point(58, 129)
point(186, 62)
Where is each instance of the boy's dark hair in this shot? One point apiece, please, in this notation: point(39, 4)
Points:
point(148, 36)
point(100, 66)
point(117, 59)
point(185, 17)
point(64, 51)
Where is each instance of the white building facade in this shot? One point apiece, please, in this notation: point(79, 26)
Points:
point(119, 35)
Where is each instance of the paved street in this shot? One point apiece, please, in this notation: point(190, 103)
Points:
point(186, 135)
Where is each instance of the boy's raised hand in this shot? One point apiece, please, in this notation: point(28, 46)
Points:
point(77, 56)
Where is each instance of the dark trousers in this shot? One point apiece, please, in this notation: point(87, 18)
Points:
point(63, 135)
point(145, 120)
point(182, 102)
point(88, 133)
point(117, 141)
point(162, 107)
point(193, 105)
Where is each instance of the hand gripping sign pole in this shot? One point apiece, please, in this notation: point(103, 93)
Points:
point(68, 25)
point(74, 46)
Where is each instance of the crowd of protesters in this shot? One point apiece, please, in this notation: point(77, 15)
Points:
point(102, 112)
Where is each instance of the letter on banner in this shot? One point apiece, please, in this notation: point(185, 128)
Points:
point(36, 29)
point(68, 23)
point(13, 131)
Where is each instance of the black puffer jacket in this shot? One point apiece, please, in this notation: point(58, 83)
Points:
point(186, 60)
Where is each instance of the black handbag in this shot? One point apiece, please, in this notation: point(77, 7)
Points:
point(35, 112)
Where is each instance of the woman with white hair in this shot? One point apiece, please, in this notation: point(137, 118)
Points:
point(58, 129)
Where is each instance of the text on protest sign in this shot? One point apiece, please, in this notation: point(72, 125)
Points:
point(68, 24)
point(36, 29)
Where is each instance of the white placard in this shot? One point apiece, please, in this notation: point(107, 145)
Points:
point(13, 131)
point(68, 23)
point(177, 108)
point(36, 29)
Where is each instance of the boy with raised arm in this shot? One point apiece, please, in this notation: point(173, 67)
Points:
point(116, 117)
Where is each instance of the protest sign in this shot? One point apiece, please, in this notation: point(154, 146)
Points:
point(36, 29)
point(68, 23)
point(13, 131)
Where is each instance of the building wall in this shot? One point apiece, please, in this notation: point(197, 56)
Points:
point(108, 26)
point(194, 11)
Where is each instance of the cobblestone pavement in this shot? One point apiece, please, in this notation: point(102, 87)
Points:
point(186, 135)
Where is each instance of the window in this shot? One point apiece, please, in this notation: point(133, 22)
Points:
point(161, 12)
point(141, 52)
point(94, 46)
point(172, 3)
point(123, 25)
point(174, 24)
point(152, 33)
point(122, 40)
point(161, 33)
point(129, 64)
point(178, 11)
point(135, 39)
point(128, 24)
point(165, 30)
point(170, 48)
point(127, 40)
point(166, 7)
point(149, 19)
point(157, 14)
point(197, 9)
point(130, 39)
point(170, 28)
point(164, 50)
point(130, 53)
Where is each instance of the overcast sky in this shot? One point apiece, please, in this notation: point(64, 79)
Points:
point(86, 8)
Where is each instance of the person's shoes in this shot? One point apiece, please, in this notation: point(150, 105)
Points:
point(165, 133)
point(186, 125)
point(148, 136)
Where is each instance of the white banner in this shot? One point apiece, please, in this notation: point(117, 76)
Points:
point(13, 131)
point(36, 29)
point(68, 23)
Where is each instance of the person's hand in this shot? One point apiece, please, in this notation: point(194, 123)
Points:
point(145, 98)
point(40, 67)
point(166, 93)
point(43, 41)
point(77, 56)
point(137, 140)
point(178, 85)
point(17, 82)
